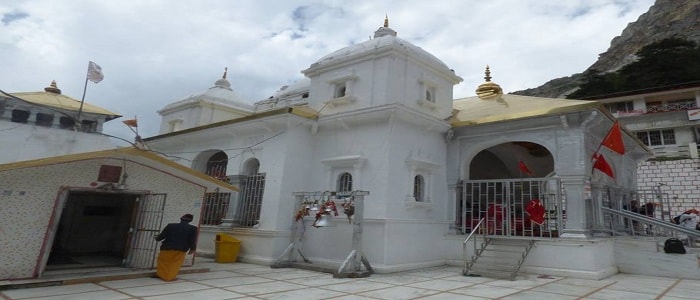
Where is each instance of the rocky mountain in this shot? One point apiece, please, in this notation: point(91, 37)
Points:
point(665, 19)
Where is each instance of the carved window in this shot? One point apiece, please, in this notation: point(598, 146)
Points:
point(344, 182)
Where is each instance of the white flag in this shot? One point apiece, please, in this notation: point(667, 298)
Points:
point(94, 73)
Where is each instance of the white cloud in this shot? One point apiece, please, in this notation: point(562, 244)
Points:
point(154, 52)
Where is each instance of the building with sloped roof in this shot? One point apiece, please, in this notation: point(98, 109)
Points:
point(93, 209)
point(47, 123)
point(436, 175)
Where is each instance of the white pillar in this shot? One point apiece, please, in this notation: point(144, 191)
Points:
point(578, 206)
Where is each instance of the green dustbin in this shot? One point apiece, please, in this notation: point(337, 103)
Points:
point(226, 248)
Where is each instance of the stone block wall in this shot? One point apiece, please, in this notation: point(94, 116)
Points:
point(680, 179)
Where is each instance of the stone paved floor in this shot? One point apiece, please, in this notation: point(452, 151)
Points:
point(248, 281)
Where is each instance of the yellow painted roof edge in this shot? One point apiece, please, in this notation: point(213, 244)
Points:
point(111, 153)
point(55, 101)
point(454, 122)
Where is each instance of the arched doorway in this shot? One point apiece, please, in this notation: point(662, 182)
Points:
point(518, 159)
point(510, 186)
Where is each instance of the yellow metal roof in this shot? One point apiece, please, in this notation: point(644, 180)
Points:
point(119, 153)
point(474, 110)
point(62, 102)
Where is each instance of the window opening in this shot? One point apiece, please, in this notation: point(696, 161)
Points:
point(430, 94)
point(657, 137)
point(44, 119)
point(88, 126)
point(344, 182)
point(216, 166)
point(419, 188)
point(339, 90)
point(251, 195)
point(66, 123)
point(20, 116)
point(215, 208)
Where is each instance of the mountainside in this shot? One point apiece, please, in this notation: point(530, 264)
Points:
point(665, 19)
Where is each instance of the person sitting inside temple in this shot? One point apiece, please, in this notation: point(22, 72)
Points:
point(647, 209)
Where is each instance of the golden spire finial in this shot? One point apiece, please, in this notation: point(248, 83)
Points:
point(386, 20)
point(53, 88)
point(225, 71)
point(489, 90)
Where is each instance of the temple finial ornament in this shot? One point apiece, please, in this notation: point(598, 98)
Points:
point(225, 71)
point(489, 90)
point(384, 30)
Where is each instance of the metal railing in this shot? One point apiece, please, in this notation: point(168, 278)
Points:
point(620, 222)
point(464, 246)
point(690, 104)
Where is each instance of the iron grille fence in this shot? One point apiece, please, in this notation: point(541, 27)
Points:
point(250, 202)
point(653, 204)
point(215, 207)
point(503, 203)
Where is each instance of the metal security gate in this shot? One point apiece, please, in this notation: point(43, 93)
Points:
point(148, 220)
point(504, 204)
point(251, 200)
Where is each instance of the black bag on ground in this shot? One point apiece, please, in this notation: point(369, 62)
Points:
point(674, 245)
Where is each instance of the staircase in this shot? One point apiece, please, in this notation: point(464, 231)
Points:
point(498, 258)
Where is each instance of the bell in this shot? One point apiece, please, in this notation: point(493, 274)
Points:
point(324, 221)
point(313, 209)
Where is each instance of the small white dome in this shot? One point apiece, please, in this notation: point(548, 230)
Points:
point(220, 94)
point(298, 86)
point(381, 43)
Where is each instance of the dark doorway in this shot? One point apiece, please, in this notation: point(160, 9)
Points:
point(93, 230)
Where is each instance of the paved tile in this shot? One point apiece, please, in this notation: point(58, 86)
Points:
point(209, 294)
point(303, 294)
point(242, 281)
point(52, 291)
point(169, 288)
point(485, 291)
point(266, 288)
point(399, 292)
point(102, 295)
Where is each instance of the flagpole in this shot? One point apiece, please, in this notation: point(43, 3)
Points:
point(82, 101)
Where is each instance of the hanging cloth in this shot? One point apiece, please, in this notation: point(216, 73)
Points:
point(535, 210)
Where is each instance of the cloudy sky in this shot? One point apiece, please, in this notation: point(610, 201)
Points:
point(154, 52)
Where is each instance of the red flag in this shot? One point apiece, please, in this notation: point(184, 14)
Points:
point(523, 168)
point(602, 165)
point(131, 123)
point(614, 139)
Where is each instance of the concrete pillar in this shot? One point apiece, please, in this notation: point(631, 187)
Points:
point(577, 191)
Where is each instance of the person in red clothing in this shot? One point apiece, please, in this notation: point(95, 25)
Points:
point(177, 240)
